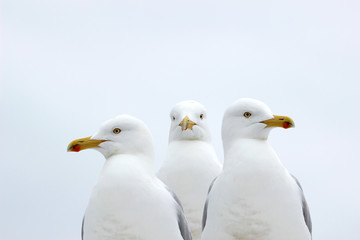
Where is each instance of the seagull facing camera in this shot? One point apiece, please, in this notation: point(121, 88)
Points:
point(191, 162)
point(189, 122)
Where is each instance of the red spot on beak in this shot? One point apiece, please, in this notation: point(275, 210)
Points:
point(286, 125)
point(76, 148)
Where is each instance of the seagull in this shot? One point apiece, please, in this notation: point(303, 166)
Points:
point(254, 197)
point(129, 201)
point(191, 163)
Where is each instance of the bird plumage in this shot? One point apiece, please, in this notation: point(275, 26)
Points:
point(254, 197)
point(191, 163)
point(129, 201)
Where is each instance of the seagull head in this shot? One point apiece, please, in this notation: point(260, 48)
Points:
point(189, 122)
point(123, 134)
point(250, 118)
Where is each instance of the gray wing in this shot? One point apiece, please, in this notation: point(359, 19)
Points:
point(305, 207)
point(183, 224)
point(82, 229)
point(206, 206)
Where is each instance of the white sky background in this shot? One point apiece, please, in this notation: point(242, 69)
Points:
point(68, 66)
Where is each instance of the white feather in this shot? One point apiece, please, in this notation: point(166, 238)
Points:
point(254, 198)
point(129, 201)
point(191, 163)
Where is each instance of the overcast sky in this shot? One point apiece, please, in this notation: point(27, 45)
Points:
point(67, 66)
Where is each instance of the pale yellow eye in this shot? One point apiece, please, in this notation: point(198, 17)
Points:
point(201, 116)
point(247, 114)
point(116, 130)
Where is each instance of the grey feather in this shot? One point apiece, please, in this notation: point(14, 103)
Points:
point(82, 229)
point(305, 207)
point(206, 206)
point(183, 224)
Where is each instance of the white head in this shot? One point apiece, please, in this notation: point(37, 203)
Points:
point(123, 134)
point(189, 122)
point(250, 118)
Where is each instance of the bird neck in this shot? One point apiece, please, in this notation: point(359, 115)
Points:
point(176, 138)
point(189, 143)
point(248, 152)
point(189, 151)
point(124, 162)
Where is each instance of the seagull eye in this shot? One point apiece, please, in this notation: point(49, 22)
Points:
point(247, 114)
point(201, 116)
point(116, 130)
point(173, 118)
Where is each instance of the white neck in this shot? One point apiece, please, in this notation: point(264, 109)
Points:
point(125, 162)
point(244, 151)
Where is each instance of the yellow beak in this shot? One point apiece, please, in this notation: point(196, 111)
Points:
point(279, 121)
point(83, 143)
point(186, 123)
